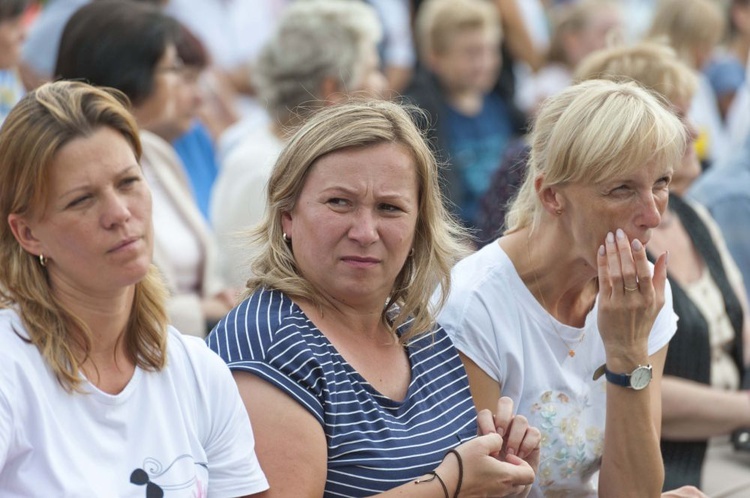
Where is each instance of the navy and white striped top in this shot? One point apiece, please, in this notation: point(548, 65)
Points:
point(374, 443)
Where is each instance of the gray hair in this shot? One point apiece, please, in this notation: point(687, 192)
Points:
point(314, 40)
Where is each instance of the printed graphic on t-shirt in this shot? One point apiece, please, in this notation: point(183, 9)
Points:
point(183, 474)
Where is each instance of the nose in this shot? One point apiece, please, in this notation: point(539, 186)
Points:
point(364, 227)
point(650, 210)
point(116, 210)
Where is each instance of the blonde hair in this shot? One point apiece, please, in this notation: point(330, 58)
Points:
point(651, 64)
point(437, 239)
point(687, 25)
point(438, 21)
point(41, 124)
point(590, 132)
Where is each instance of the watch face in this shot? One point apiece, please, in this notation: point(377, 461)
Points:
point(640, 378)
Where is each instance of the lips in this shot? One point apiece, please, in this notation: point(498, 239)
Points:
point(124, 243)
point(360, 261)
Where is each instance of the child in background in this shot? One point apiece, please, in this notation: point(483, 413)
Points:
point(459, 49)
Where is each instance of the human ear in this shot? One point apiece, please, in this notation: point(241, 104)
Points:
point(550, 196)
point(24, 234)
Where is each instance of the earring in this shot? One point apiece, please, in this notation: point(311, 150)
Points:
point(43, 261)
point(411, 252)
point(558, 212)
point(285, 237)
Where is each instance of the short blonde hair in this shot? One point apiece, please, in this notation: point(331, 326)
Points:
point(687, 25)
point(651, 64)
point(590, 132)
point(41, 124)
point(438, 21)
point(438, 239)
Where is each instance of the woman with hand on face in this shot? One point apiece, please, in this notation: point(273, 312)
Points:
point(362, 393)
point(563, 313)
point(98, 395)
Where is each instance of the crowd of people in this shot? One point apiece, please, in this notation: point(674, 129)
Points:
point(351, 248)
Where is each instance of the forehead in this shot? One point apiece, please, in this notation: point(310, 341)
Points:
point(387, 162)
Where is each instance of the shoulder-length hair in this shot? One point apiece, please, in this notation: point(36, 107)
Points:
point(37, 128)
point(590, 132)
point(438, 239)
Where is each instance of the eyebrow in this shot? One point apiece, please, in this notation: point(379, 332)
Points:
point(120, 174)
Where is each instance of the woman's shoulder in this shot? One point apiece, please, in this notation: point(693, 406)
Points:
point(256, 324)
point(489, 270)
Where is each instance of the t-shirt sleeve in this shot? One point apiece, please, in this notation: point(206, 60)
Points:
point(233, 466)
point(470, 325)
point(260, 337)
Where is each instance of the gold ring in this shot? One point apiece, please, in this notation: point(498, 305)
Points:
point(630, 289)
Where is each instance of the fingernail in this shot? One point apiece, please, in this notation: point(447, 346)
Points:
point(501, 431)
point(620, 234)
point(510, 451)
point(610, 238)
point(636, 245)
point(601, 250)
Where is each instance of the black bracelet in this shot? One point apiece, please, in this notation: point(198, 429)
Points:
point(440, 480)
point(460, 471)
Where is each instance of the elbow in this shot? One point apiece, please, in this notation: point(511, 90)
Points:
point(649, 486)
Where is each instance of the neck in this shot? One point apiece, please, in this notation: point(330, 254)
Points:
point(564, 282)
point(467, 102)
point(364, 321)
point(106, 316)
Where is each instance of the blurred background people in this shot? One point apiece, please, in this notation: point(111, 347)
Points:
point(133, 47)
point(12, 35)
point(98, 395)
point(470, 126)
point(323, 51)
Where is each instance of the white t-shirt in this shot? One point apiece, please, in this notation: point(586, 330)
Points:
point(183, 430)
point(495, 321)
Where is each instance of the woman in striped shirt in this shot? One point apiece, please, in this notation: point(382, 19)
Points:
point(351, 386)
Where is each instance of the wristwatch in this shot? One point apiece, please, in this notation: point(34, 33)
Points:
point(637, 379)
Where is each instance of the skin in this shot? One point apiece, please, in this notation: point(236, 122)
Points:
point(593, 233)
point(159, 110)
point(96, 234)
point(468, 67)
point(12, 35)
point(351, 231)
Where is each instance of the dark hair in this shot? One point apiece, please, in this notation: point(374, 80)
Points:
point(10, 9)
point(190, 49)
point(116, 44)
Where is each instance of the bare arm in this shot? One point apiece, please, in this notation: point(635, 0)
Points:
point(626, 317)
point(698, 411)
point(290, 442)
point(517, 36)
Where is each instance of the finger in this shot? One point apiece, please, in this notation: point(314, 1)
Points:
point(627, 265)
point(519, 472)
point(503, 415)
point(613, 264)
point(486, 422)
point(515, 435)
point(605, 286)
point(643, 269)
point(531, 441)
point(660, 276)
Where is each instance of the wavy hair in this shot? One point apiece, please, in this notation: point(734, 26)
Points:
point(40, 125)
point(438, 239)
point(590, 132)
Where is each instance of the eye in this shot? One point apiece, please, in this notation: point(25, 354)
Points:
point(337, 202)
point(389, 207)
point(663, 182)
point(129, 181)
point(78, 201)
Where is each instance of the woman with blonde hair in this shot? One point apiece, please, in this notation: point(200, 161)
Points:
point(566, 298)
point(363, 393)
point(98, 395)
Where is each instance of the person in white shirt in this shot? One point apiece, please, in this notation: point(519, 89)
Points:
point(98, 395)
